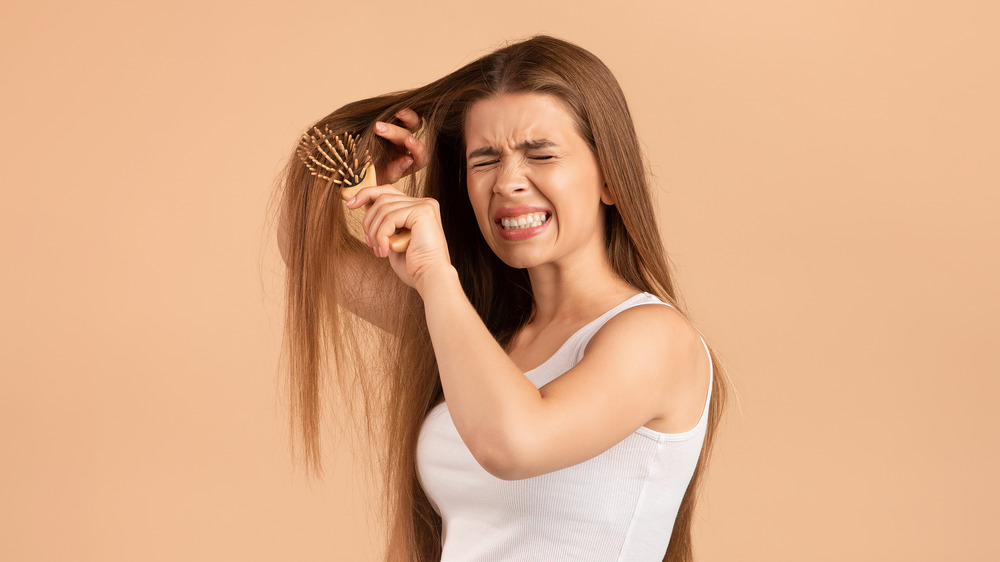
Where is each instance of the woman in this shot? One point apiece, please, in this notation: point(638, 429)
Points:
point(530, 395)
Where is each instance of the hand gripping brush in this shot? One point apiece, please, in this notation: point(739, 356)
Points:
point(335, 158)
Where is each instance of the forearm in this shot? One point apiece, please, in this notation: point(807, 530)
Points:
point(361, 278)
point(487, 394)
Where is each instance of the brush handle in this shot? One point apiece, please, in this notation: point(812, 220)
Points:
point(399, 241)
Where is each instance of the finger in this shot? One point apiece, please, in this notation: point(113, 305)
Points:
point(409, 118)
point(405, 141)
point(418, 151)
point(400, 166)
point(390, 217)
point(395, 169)
point(369, 198)
point(416, 160)
point(377, 213)
point(413, 152)
point(367, 195)
point(394, 133)
point(399, 219)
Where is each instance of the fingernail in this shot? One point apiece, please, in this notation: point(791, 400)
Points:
point(351, 201)
point(368, 240)
point(380, 127)
point(406, 164)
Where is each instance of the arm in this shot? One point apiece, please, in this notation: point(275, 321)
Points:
point(632, 366)
point(637, 366)
point(488, 396)
point(361, 276)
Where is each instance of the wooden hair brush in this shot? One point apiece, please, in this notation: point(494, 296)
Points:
point(335, 158)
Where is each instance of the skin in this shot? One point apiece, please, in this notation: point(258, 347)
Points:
point(646, 366)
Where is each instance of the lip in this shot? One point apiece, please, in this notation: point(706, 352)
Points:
point(521, 233)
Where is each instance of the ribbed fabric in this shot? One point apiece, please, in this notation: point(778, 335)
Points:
point(619, 505)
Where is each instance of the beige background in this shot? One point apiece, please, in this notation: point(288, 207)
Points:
point(828, 180)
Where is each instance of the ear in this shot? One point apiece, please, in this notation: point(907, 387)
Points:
point(606, 197)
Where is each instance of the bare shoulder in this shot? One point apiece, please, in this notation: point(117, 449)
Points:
point(666, 351)
point(657, 326)
point(640, 369)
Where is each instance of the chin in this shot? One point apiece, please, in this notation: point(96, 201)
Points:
point(522, 255)
point(520, 261)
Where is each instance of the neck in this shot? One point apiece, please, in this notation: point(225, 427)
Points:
point(567, 292)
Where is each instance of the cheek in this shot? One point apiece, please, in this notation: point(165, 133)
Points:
point(578, 199)
point(480, 203)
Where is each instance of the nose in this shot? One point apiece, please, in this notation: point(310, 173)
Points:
point(511, 179)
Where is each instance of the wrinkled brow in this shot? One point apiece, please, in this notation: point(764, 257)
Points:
point(526, 145)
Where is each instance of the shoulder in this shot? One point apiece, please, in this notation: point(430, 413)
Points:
point(657, 339)
point(646, 324)
point(634, 370)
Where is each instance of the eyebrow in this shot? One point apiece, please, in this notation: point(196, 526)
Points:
point(528, 144)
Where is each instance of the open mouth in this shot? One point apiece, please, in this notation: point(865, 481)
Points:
point(530, 220)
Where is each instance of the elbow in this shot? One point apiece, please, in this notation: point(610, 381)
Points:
point(501, 457)
point(283, 244)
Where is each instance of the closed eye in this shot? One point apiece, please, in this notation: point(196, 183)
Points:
point(496, 161)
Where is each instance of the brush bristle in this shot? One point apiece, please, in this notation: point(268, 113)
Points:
point(333, 157)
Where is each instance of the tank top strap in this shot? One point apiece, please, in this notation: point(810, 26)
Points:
point(583, 337)
point(585, 334)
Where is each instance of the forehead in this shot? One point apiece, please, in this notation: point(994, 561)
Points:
point(509, 119)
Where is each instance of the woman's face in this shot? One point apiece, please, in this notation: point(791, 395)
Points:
point(533, 181)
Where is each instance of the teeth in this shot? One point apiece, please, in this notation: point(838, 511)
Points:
point(524, 221)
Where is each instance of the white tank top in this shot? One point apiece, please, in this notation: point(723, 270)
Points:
point(619, 505)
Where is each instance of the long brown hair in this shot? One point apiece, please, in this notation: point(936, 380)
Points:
point(345, 305)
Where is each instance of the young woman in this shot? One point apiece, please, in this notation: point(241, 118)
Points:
point(533, 389)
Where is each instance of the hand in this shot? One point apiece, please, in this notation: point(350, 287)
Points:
point(410, 154)
point(390, 210)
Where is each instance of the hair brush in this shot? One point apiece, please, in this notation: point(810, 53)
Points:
point(335, 158)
